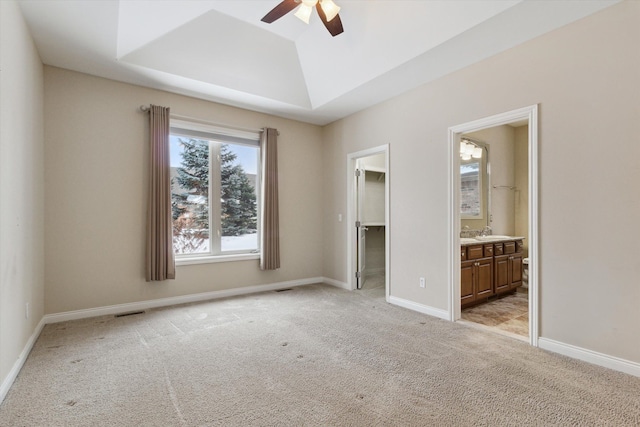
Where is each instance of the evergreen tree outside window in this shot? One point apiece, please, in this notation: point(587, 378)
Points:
point(214, 182)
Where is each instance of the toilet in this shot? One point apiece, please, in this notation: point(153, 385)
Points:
point(525, 273)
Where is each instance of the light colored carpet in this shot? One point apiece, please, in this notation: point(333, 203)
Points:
point(311, 356)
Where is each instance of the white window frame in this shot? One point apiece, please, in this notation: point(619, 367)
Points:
point(217, 135)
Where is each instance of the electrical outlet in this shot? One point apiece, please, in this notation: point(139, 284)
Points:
point(339, 217)
point(422, 282)
point(26, 311)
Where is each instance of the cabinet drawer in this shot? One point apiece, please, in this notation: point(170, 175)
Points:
point(510, 247)
point(498, 249)
point(519, 245)
point(463, 253)
point(488, 250)
point(474, 252)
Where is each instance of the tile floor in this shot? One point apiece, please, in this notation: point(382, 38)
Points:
point(509, 313)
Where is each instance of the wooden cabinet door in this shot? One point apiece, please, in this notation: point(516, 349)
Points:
point(466, 282)
point(516, 271)
point(501, 274)
point(484, 278)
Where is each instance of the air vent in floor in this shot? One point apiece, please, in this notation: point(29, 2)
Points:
point(129, 314)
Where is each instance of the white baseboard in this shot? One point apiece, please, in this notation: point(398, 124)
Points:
point(431, 311)
point(17, 366)
point(600, 359)
point(183, 299)
point(336, 283)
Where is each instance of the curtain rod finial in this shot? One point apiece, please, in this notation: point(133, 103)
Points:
point(144, 108)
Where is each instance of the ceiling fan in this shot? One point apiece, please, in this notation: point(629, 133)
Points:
point(327, 10)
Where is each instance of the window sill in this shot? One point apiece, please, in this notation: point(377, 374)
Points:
point(216, 258)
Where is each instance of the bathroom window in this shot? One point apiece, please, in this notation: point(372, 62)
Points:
point(471, 190)
point(214, 197)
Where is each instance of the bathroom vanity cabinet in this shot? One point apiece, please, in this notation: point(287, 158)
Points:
point(508, 272)
point(489, 269)
point(476, 273)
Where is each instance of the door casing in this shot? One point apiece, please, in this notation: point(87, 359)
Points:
point(351, 214)
point(530, 114)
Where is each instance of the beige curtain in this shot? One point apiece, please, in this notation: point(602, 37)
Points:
point(270, 242)
point(160, 260)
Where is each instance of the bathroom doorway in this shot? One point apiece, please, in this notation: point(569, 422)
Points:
point(367, 221)
point(493, 195)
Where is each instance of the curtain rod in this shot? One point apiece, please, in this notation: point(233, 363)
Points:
point(145, 109)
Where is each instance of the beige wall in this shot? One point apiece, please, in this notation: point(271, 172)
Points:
point(501, 158)
point(96, 175)
point(374, 251)
point(585, 78)
point(521, 138)
point(21, 187)
point(377, 161)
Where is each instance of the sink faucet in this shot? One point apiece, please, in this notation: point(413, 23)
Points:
point(486, 231)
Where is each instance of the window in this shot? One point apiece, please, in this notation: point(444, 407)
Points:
point(214, 199)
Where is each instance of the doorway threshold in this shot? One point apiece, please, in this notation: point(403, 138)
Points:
point(475, 325)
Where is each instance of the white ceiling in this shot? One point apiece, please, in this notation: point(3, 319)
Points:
point(219, 50)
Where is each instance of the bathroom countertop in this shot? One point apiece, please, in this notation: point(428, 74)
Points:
point(467, 241)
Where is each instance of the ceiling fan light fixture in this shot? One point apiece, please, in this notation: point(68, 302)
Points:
point(330, 9)
point(304, 12)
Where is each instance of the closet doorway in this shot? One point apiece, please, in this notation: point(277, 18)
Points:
point(367, 221)
point(495, 266)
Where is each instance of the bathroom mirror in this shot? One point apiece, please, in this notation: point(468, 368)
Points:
point(475, 188)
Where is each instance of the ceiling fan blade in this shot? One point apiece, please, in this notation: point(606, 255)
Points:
point(280, 10)
point(334, 26)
